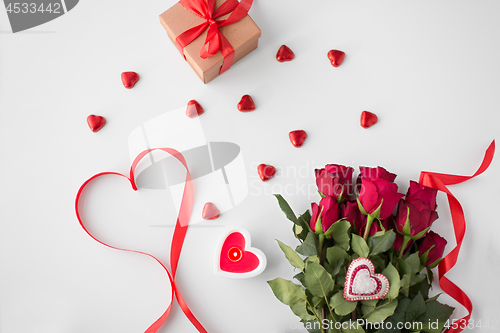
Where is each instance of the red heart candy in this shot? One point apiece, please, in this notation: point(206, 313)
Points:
point(236, 258)
point(210, 212)
point(284, 54)
point(297, 137)
point(368, 119)
point(361, 282)
point(266, 172)
point(194, 109)
point(246, 104)
point(336, 57)
point(129, 79)
point(95, 122)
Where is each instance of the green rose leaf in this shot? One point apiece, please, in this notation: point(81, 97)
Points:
point(378, 262)
point(352, 327)
point(398, 317)
point(340, 233)
point(416, 308)
point(334, 254)
point(292, 295)
point(317, 280)
point(391, 273)
point(371, 303)
point(435, 317)
point(342, 306)
point(303, 222)
point(310, 245)
point(416, 279)
point(299, 277)
point(382, 243)
point(414, 262)
point(381, 312)
point(292, 256)
point(310, 259)
point(359, 246)
point(285, 207)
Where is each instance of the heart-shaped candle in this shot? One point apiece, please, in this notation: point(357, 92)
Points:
point(362, 283)
point(235, 257)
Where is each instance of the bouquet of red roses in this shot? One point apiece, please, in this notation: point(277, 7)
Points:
point(362, 256)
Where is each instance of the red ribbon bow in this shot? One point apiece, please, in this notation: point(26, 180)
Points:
point(439, 182)
point(215, 40)
point(181, 227)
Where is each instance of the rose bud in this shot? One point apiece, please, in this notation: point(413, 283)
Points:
point(414, 217)
point(329, 209)
point(436, 244)
point(335, 180)
point(378, 194)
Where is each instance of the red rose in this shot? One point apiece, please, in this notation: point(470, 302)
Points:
point(436, 244)
point(378, 191)
point(350, 212)
point(329, 208)
point(419, 215)
point(422, 192)
point(377, 173)
point(335, 180)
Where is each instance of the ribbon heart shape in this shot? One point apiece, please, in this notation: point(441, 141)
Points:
point(215, 40)
point(236, 258)
point(180, 230)
point(362, 283)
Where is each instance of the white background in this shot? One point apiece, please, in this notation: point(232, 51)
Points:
point(429, 70)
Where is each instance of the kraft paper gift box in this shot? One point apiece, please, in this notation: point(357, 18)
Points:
point(243, 35)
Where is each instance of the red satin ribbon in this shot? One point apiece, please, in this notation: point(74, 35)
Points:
point(439, 182)
point(181, 227)
point(215, 40)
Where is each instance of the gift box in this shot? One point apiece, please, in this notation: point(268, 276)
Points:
point(242, 35)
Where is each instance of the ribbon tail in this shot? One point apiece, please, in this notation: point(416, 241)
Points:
point(227, 52)
point(439, 181)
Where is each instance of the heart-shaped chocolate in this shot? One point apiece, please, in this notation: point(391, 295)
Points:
point(297, 138)
point(194, 109)
point(368, 119)
point(266, 172)
point(362, 283)
point(336, 57)
point(235, 257)
point(129, 79)
point(246, 104)
point(95, 122)
point(210, 212)
point(284, 54)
